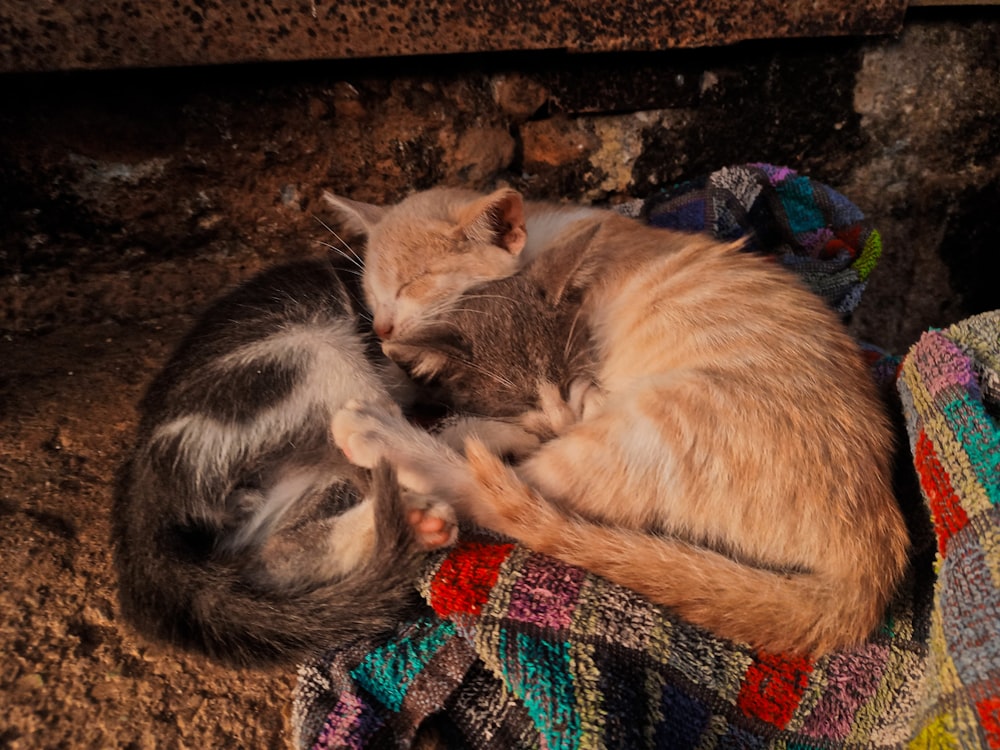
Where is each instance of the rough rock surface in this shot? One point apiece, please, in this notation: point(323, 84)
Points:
point(124, 33)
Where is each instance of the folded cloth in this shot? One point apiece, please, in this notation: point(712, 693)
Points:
point(812, 228)
point(950, 390)
point(518, 650)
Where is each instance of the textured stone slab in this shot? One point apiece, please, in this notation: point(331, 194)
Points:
point(69, 34)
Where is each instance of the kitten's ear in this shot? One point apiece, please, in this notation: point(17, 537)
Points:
point(358, 218)
point(566, 266)
point(496, 219)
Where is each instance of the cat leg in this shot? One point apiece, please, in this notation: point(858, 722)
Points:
point(502, 502)
point(555, 414)
point(319, 550)
point(352, 536)
point(366, 432)
point(586, 399)
point(501, 438)
point(611, 469)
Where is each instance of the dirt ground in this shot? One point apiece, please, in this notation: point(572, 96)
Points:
point(73, 675)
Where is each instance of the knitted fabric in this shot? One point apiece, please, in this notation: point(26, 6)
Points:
point(813, 229)
point(950, 389)
point(519, 650)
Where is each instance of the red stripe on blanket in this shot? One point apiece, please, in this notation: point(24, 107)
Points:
point(851, 236)
point(946, 508)
point(989, 717)
point(463, 582)
point(773, 687)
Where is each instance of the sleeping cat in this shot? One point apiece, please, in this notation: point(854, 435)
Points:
point(478, 367)
point(241, 530)
point(725, 455)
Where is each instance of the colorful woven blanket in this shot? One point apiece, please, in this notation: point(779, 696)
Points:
point(518, 650)
point(813, 229)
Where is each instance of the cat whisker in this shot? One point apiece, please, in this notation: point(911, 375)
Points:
point(504, 297)
point(353, 256)
point(357, 271)
point(496, 377)
point(435, 311)
point(571, 336)
point(450, 324)
point(362, 308)
point(468, 310)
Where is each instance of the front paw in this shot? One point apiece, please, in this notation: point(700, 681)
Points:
point(553, 415)
point(506, 439)
point(361, 429)
point(586, 399)
point(434, 523)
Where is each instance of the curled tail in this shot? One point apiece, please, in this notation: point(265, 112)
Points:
point(217, 606)
point(795, 612)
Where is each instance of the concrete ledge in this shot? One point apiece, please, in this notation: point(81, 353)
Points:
point(66, 35)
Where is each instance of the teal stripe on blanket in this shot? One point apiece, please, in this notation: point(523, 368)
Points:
point(800, 206)
point(977, 433)
point(543, 680)
point(388, 672)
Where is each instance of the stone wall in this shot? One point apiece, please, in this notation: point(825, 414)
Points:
point(159, 33)
point(136, 193)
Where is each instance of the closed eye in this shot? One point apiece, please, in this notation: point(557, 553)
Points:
point(406, 285)
point(417, 285)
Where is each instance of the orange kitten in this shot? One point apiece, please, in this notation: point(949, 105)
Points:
point(730, 459)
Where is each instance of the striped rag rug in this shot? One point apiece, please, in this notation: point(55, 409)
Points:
point(518, 650)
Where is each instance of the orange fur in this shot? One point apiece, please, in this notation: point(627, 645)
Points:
point(736, 469)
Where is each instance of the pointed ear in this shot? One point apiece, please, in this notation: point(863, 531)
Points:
point(357, 218)
point(567, 266)
point(496, 219)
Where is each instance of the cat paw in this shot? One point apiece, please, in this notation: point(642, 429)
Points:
point(553, 415)
point(586, 398)
point(361, 429)
point(434, 523)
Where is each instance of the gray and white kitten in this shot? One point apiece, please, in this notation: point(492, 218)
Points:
point(240, 529)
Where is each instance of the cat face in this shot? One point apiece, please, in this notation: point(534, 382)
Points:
point(488, 352)
point(425, 252)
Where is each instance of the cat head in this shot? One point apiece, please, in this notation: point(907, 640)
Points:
point(423, 253)
point(486, 354)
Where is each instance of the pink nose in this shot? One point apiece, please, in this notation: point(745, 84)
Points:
point(383, 328)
